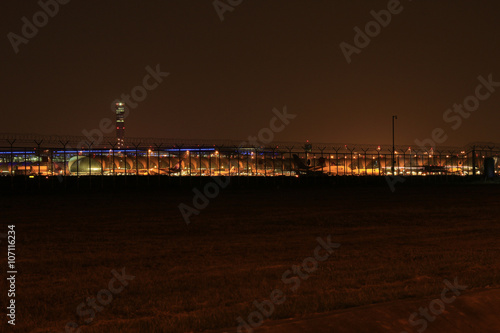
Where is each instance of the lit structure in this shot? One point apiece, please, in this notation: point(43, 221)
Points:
point(120, 124)
point(156, 156)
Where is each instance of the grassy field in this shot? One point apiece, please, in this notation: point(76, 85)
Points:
point(203, 276)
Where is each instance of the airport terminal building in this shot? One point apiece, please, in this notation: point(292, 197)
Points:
point(42, 155)
point(74, 156)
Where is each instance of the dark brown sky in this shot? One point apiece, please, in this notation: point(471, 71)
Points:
point(225, 77)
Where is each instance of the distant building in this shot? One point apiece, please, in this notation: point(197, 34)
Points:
point(120, 124)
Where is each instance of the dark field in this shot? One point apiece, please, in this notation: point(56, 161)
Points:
point(203, 276)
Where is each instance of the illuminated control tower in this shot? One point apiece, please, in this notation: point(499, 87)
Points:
point(120, 124)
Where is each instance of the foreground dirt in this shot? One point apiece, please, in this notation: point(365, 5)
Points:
point(394, 247)
point(474, 311)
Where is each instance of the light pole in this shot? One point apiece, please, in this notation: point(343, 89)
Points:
point(392, 169)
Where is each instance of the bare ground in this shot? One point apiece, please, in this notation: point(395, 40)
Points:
point(394, 246)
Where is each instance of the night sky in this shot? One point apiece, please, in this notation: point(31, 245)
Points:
point(227, 76)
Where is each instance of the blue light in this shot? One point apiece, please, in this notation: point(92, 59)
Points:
point(18, 152)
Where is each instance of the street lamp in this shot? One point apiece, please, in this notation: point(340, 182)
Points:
point(393, 161)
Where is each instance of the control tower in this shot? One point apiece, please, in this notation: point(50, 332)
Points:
point(120, 124)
